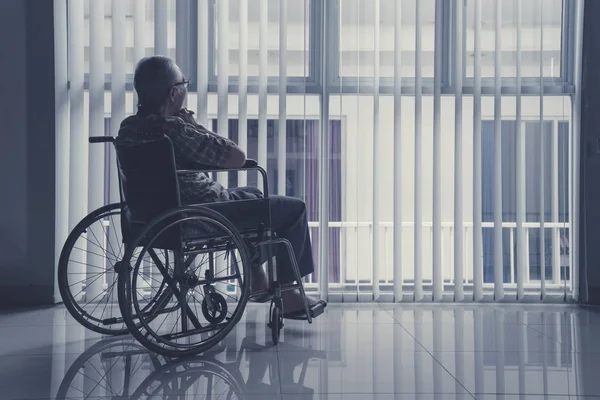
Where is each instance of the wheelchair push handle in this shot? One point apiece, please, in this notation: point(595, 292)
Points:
point(102, 139)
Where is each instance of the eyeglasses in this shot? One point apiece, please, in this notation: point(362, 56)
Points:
point(184, 82)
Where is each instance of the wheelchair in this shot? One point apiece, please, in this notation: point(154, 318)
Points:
point(177, 277)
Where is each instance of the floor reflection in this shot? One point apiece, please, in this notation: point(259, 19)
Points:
point(355, 351)
point(122, 369)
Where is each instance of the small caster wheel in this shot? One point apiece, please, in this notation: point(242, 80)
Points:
point(218, 313)
point(276, 322)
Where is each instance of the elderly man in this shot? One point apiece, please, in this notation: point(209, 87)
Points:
point(161, 89)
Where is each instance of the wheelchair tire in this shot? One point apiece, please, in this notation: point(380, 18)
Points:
point(220, 313)
point(167, 343)
point(275, 322)
point(93, 317)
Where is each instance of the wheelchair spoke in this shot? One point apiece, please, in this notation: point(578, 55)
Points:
point(86, 264)
point(108, 253)
point(227, 294)
point(195, 305)
point(83, 280)
point(162, 323)
point(98, 383)
point(148, 283)
point(109, 290)
point(82, 290)
point(112, 223)
point(177, 320)
point(107, 233)
point(184, 317)
point(103, 377)
point(98, 242)
point(153, 279)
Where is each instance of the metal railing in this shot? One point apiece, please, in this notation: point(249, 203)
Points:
point(354, 270)
point(356, 246)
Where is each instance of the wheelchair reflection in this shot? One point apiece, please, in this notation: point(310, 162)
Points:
point(124, 369)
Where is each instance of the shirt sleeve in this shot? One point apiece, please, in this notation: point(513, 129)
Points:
point(196, 145)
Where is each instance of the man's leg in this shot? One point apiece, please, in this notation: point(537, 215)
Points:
point(290, 221)
point(245, 193)
point(260, 281)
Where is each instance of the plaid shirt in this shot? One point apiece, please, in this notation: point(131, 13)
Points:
point(194, 146)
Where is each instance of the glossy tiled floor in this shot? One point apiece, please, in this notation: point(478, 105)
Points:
point(356, 352)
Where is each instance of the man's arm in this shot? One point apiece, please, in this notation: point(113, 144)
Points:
point(188, 117)
point(204, 147)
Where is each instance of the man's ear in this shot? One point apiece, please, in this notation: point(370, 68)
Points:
point(172, 94)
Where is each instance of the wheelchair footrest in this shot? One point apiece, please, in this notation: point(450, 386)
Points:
point(316, 310)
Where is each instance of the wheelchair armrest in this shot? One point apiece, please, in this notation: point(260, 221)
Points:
point(101, 139)
point(249, 165)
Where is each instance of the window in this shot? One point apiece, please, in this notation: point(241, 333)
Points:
point(532, 29)
point(298, 43)
point(355, 38)
point(168, 15)
point(555, 176)
point(364, 127)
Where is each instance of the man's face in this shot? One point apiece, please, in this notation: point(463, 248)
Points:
point(177, 92)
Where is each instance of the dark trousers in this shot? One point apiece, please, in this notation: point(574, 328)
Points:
point(289, 221)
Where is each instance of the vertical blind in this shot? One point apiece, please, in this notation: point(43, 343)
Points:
point(425, 117)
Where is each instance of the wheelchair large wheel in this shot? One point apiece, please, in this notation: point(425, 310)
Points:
point(210, 283)
point(87, 279)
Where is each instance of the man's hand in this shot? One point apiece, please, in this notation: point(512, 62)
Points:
point(187, 116)
point(237, 157)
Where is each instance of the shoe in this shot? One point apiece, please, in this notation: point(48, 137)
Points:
point(315, 310)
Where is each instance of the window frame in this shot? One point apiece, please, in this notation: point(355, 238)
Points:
point(364, 85)
point(295, 85)
point(559, 86)
point(329, 35)
point(562, 85)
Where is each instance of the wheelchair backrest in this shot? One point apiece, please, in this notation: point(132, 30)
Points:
point(148, 181)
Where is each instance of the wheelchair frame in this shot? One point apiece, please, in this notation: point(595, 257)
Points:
point(260, 237)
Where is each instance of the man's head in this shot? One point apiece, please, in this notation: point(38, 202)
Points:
point(160, 85)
